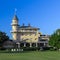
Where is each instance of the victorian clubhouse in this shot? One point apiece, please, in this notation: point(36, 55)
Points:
point(26, 36)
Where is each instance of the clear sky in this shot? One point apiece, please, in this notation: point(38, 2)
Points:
point(44, 14)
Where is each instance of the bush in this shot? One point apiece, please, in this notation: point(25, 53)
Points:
point(30, 48)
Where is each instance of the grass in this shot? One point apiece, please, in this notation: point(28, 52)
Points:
point(32, 55)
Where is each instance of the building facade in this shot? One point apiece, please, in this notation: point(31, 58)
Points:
point(27, 36)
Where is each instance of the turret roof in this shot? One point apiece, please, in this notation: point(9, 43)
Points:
point(15, 17)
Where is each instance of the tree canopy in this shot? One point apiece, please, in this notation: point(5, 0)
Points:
point(55, 39)
point(3, 37)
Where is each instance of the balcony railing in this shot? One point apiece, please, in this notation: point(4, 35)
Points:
point(26, 31)
point(22, 31)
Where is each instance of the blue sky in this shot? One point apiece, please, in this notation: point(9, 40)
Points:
point(44, 14)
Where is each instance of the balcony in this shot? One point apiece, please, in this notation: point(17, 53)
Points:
point(23, 31)
point(26, 31)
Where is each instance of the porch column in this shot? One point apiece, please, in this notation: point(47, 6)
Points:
point(36, 45)
point(30, 44)
point(44, 44)
point(24, 44)
point(18, 45)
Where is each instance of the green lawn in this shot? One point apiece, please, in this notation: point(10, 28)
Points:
point(34, 55)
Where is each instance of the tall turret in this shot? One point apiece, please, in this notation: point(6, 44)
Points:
point(15, 27)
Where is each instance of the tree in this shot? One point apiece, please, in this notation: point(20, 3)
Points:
point(3, 37)
point(8, 44)
point(55, 39)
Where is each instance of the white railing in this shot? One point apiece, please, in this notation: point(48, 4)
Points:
point(26, 31)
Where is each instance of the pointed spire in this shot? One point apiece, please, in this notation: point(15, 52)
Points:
point(15, 11)
point(15, 16)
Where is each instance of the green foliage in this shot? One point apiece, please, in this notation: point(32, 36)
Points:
point(55, 39)
point(30, 48)
point(3, 37)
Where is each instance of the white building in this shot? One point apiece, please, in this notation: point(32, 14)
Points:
point(26, 36)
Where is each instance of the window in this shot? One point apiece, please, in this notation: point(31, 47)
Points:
point(35, 38)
